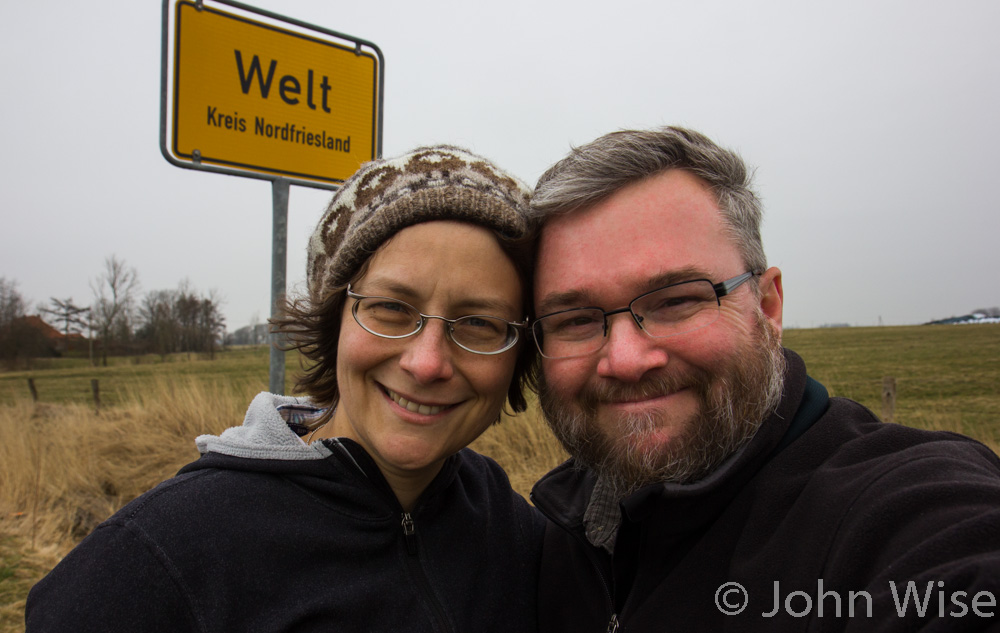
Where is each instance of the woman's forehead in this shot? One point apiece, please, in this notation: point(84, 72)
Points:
point(453, 263)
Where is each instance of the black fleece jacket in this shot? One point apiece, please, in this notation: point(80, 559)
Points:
point(251, 545)
point(825, 500)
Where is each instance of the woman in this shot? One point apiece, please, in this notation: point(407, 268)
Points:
point(366, 512)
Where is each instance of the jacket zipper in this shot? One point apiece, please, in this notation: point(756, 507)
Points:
point(613, 624)
point(410, 536)
point(409, 533)
point(409, 528)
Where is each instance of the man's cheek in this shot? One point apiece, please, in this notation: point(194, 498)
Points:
point(565, 379)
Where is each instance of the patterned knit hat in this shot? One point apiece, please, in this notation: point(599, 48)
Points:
point(386, 196)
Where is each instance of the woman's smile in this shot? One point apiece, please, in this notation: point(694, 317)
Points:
point(412, 405)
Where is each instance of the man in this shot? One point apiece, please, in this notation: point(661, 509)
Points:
point(713, 485)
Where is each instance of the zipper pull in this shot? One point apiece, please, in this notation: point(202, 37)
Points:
point(409, 533)
point(613, 624)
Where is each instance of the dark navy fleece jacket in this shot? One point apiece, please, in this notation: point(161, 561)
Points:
point(826, 500)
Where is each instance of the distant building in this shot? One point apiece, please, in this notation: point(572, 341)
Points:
point(248, 335)
point(56, 339)
point(975, 317)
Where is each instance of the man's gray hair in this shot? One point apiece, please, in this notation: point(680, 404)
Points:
point(595, 171)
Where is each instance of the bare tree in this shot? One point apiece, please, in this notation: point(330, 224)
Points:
point(181, 320)
point(18, 340)
point(69, 315)
point(12, 304)
point(211, 322)
point(115, 292)
point(254, 326)
point(158, 316)
point(188, 309)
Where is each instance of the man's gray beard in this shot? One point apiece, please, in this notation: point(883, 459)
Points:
point(734, 403)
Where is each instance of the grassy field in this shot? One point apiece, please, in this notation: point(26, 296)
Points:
point(67, 380)
point(947, 376)
point(64, 468)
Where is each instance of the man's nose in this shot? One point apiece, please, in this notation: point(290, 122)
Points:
point(629, 352)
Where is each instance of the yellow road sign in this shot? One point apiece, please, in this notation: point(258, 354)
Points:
point(252, 94)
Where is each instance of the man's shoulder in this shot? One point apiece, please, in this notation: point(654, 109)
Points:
point(563, 492)
point(854, 499)
point(850, 461)
point(849, 434)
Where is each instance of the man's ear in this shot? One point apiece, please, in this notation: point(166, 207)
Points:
point(772, 297)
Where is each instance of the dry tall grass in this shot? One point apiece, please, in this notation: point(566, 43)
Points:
point(524, 446)
point(64, 469)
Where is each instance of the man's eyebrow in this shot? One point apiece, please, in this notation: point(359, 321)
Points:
point(556, 301)
point(676, 276)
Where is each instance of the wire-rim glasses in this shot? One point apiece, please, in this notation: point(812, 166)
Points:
point(675, 309)
point(390, 318)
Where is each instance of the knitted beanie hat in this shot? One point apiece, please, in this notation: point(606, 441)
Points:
point(387, 195)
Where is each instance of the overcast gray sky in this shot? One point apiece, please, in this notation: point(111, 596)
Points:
point(873, 126)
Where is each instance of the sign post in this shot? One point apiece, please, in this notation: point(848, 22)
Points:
point(279, 265)
point(250, 93)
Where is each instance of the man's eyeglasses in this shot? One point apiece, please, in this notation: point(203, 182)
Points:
point(675, 309)
point(391, 318)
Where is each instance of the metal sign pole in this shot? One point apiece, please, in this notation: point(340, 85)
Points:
point(279, 259)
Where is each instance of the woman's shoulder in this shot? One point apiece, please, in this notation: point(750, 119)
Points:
point(189, 501)
point(482, 473)
point(471, 463)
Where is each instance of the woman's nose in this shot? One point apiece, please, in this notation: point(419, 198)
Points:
point(428, 353)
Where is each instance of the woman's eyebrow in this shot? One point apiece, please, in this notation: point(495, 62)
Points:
point(385, 286)
point(479, 305)
point(484, 306)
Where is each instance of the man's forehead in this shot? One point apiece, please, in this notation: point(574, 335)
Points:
point(664, 229)
point(675, 200)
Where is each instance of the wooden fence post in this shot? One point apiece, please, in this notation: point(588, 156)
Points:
point(95, 387)
point(888, 399)
point(31, 387)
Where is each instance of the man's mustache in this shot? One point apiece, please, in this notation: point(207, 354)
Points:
point(652, 386)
